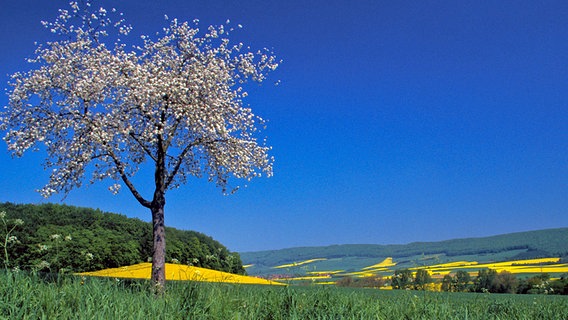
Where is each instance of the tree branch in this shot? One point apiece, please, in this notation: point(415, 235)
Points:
point(146, 150)
point(182, 155)
point(127, 182)
point(179, 161)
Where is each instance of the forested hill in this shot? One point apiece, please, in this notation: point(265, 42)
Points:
point(56, 237)
point(522, 245)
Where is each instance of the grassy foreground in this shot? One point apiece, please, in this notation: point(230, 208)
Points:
point(29, 296)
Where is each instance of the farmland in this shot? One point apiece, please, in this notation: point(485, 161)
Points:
point(300, 272)
point(32, 296)
point(527, 262)
point(380, 275)
point(518, 253)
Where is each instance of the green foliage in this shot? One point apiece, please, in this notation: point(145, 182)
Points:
point(421, 279)
point(459, 282)
point(462, 279)
point(364, 282)
point(448, 284)
point(559, 286)
point(58, 238)
point(485, 279)
point(489, 280)
point(542, 284)
point(506, 283)
point(402, 279)
point(32, 296)
point(7, 227)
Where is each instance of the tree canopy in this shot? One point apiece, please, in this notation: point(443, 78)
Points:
point(176, 99)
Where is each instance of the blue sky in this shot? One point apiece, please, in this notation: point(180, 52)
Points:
point(395, 121)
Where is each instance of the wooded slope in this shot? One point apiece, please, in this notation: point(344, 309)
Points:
point(57, 237)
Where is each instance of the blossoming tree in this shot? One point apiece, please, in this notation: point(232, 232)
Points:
point(174, 102)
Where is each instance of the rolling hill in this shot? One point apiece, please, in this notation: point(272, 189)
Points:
point(513, 246)
point(58, 237)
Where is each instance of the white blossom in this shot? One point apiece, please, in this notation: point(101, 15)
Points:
point(89, 256)
point(43, 265)
point(115, 188)
point(105, 111)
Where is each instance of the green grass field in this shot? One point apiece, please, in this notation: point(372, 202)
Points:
point(32, 296)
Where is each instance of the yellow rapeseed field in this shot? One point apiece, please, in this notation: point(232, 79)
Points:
point(178, 272)
point(325, 272)
point(296, 264)
point(449, 265)
point(553, 268)
point(521, 262)
point(361, 274)
point(385, 263)
point(541, 265)
point(312, 278)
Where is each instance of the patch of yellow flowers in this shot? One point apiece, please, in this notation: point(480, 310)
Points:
point(178, 272)
point(296, 264)
point(383, 264)
point(542, 265)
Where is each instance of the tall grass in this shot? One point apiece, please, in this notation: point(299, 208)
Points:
point(36, 296)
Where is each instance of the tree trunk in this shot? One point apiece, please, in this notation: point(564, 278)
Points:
point(159, 230)
point(159, 249)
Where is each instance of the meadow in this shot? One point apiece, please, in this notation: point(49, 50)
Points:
point(41, 296)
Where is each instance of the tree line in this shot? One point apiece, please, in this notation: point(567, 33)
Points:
point(489, 280)
point(486, 281)
point(60, 238)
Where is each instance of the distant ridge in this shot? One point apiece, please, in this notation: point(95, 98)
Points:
point(518, 245)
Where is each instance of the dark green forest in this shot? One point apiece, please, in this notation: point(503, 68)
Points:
point(62, 238)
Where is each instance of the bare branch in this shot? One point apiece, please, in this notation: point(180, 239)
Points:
point(120, 167)
point(143, 146)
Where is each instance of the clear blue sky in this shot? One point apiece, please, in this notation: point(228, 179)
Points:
point(395, 121)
